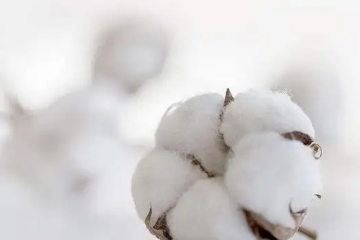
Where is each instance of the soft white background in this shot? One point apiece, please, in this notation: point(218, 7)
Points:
point(45, 52)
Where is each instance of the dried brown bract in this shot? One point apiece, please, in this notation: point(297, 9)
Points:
point(306, 140)
point(228, 99)
point(196, 162)
point(160, 230)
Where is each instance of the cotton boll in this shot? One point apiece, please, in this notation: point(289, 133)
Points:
point(193, 128)
point(268, 173)
point(206, 212)
point(263, 110)
point(160, 179)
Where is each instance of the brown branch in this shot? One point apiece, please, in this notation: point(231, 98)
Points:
point(308, 232)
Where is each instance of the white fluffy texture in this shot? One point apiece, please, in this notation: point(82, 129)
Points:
point(206, 212)
point(263, 110)
point(193, 128)
point(267, 173)
point(318, 93)
point(160, 179)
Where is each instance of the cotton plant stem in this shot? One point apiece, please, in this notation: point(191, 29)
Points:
point(308, 232)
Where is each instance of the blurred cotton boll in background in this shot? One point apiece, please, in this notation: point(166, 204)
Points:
point(63, 149)
point(71, 156)
point(131, 53)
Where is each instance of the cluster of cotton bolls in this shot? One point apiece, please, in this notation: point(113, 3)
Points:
point(242, 167)
point(71, 156)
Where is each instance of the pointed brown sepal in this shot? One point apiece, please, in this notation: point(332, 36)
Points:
point(160, 230)
point(228, 97)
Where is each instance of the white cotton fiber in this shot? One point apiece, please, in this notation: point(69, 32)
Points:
point(193, 128)
point(268, 173)
point(160, 179)
point(318, 93)
point(206, 212)
point(263, 110)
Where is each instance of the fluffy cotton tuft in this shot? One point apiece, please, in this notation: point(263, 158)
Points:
point(318, 93)
point(207, 212)
point(268, 173)
point(160, 179)
point(193, 128)
point(263, 110)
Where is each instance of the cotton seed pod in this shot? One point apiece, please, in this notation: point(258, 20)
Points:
point(160, 179)
point(267, 190)
point(262, 110)
point(274, 176)
point(207, 211)
point(193, 128)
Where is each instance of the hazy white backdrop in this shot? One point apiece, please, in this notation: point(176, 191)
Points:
point(46, 51)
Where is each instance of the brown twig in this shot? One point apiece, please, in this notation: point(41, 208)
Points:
point(308, 232)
